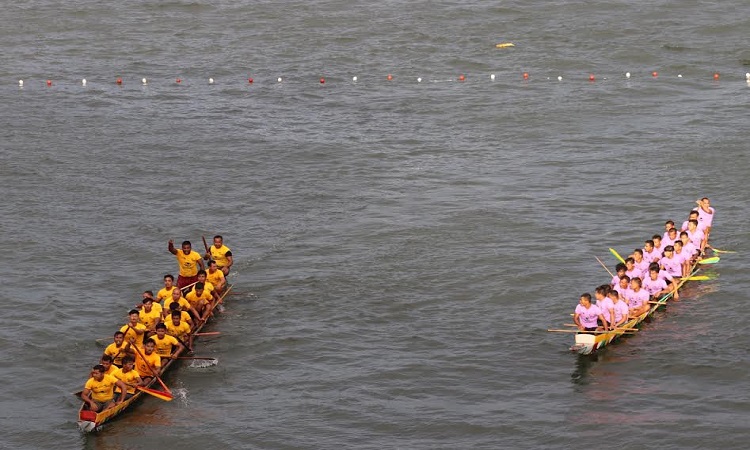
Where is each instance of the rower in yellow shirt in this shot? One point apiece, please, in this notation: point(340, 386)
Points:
point(215, 276)
point(188, 260)
point(149, 364)
point(221, 254)
point(180, 330)
point(207, 285)
point(184, 305)
point(99, 391)
point(134, 330)
point(149, 316)
point(118, 349)
point(165, 344)
point(199, 297)
point(149, 294)
point(184, 315)
point(165, 294)
point(128, 375)
point(106, 362)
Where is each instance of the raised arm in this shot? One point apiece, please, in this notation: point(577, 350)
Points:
point(171, 248)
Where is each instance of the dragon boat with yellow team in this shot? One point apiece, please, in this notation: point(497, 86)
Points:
point(588, 342)
point(90, 421)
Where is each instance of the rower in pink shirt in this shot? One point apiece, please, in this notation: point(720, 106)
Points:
point(655, 286)
point(637, 298)
point(623, 287)
point(632, 271)
point(693, 216)
point(658, 244)
point(688, 246)
point(706, 213)
point(696, 236)
point(670, 264)
point(587, 314)
point(685, 259)
point(620, 269)
point(668, 225)
point(670, 237)
point(640, 263)
point(650, 253)
point(605, 305)
point(620, 308)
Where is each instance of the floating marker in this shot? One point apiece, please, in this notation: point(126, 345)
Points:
point(654, 74)
point(627, 75)
point(210, 81)
point(178, 81)
point(354, 78)
point(278, 80)
point(525, 75)
point(559, 78)
point(144, 81)
point(250, 81)
point(492, 77)
point(83, 82)
point(504, 45)
point(592, 77)
point(20, 83)
point(118, 81)
point(461, 77)
point(747, 76)
point(322, 80)
point(389, 77)
point(679, 76)
point(419, 79)
point(716, 76)
point(49, 82)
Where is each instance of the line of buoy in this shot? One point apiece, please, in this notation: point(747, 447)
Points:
point(390, 77)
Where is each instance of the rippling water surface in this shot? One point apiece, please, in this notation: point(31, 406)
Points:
point(401, 247)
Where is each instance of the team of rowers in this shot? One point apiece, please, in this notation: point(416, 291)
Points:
point(648, 273)
point(161, 326)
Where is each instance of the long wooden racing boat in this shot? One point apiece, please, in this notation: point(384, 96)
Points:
point(90, 421)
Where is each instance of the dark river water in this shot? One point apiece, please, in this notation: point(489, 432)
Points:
point(401, 246)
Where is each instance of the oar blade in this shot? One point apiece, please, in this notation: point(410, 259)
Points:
point(166, 396)
point(712, 260)
point(616, 255)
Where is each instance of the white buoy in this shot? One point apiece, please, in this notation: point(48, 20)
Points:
point(278, 80)
point(20, 83)
point(559, 78)
point(210, 81)
point(492, 77)
point(747, 76)
point(419, 80)
point(144, 81)
point(83, 82)
point(354, 78)
point(627, 74)
point(679, 76)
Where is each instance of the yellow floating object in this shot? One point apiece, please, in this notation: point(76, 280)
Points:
point(504, 45)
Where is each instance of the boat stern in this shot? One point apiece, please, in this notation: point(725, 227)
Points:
point(585, 344)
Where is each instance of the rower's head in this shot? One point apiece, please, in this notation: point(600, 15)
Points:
point(705, 203)
point(635, 284)
point(649, 245)
point(613, 294)
point(693, 215)
point(669, 251)
point(128, 362)
point(601, 292)
point(585, 299)
point(161, 330)
point(672, 233)
point(630, 263)
point(212, 267)
point(119, 338)
point(148, 304)
point(201, 276)
point(187, 247)
point(620, 269)
point(684, 237)
point(692, 224)
point(176, 317)
point(668, 225)
point(176, 294)
point(624, 281)
point(677, 246)
point(653, 271)
point(175, 306)
point(106, 361)
point(97, 372)
point(638, 255)
point(657, 240)
point(199, 288)
point(148, 294)
point(148, 346)
point(218, 241)
point(168, 281)
point(134, 315)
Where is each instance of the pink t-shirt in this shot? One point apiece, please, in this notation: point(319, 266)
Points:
point(642, 267)
point(622, 292)
point(615, 281)
point(701, 226)
point(634, 273)
point(696, 237)
point(621, 310)
point(588, 316)
point(637, 299)
point(689, 249)
point(703, 216)
point(682, 257)
point(666, 240)
point(664, 275)
point(651, 257)
point(605, 305)
point(672, 265)
point(654, 286)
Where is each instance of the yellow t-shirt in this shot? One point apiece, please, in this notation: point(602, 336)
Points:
point(149, 320)
point(188, 263)
point(102, 391)
point(196, 301)
point(129, 333)
point(180, 331)
point(128, 378)
point(184, 304)
point(153, 359)
point(164, 346)
point(215, 278)
point(116, 352)
point(220, 255)
point(165, 294)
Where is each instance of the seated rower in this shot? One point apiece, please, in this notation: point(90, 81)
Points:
point(180, 329)
point(99, 391)
point(134, 330)
point(658, 245)
point(165, 294)
point(149, 316)
point(685, 258)
point(199, 298)
point(149, 364)
point(637, 299)
point(118, 349)
point(216, 277)
point(654, 285)
point(640, 263)
point(129, 376)
point(630, 269)
point(605, 305)
point(184, 305)
point(620, 309)
point(166, 344)
point(623, 287)
point(670, 264)
point(668, 225)
point(207, 285)
point(696, 236)
point(184, 315)
point(650, 253)
point(155, 304)
point(620, 270)
point(586, 314)
point(221, 254)
point(671, 237)
point(693, 216)
point(106, 362)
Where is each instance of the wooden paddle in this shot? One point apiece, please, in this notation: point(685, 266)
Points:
point(619, 328)
point(197, 357)
point(167, 397)
point(628, 331)
point(605, 267)
point(617, 255)
point(153, 372)
point(208, 252)
point(208, 333)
